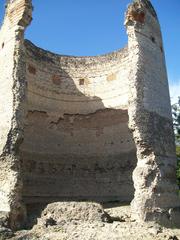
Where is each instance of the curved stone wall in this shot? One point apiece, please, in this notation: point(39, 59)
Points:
point(77, 144)
point(65, 120)
point(100, 82)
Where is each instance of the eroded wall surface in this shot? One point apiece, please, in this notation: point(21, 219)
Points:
point(72, 115)
point(77, 143)
point(12, 109)
point(150, 118)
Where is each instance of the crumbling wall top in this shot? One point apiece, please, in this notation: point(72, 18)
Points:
point(18, 13)
point(137, 11)
point(147, 4)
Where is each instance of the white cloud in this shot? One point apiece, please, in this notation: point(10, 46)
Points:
point(174, 91)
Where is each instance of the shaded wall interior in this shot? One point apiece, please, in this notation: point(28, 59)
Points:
point(77, 144)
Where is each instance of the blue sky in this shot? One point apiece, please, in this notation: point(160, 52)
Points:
point(93, 27)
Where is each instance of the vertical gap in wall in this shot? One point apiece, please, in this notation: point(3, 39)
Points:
point(135, 148)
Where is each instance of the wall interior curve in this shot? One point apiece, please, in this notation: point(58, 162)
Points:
point(77, 144)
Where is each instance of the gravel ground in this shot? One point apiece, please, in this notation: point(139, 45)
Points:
point(88, 226)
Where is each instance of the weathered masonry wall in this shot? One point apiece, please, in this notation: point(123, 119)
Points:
point(72, 127)
point(12, 109)
point(150, 119)
point(77, 143)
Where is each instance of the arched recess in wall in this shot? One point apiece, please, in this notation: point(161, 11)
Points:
point(77, 28)
point(77, 144)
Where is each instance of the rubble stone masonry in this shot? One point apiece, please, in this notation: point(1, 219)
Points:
point(78, 128)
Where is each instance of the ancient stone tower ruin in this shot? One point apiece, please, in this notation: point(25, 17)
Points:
point(86, 128)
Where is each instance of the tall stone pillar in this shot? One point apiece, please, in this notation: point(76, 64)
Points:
point(150, 119)
point(12, 108)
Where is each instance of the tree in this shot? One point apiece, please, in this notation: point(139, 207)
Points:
point(176, 123)
point(178, 165)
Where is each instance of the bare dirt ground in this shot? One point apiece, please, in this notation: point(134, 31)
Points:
point(89, 221)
